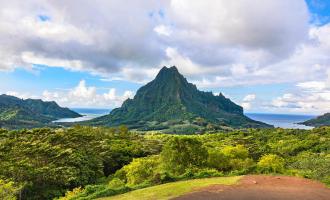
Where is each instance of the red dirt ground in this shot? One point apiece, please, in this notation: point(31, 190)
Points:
point(257, 187)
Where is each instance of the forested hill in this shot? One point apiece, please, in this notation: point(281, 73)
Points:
point(323, 120)
point(19, 113)
point(171, 100)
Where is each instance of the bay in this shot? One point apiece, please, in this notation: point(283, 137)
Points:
point(282, 120)
point(88, 114)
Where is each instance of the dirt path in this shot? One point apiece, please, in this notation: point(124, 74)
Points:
point(257, 187)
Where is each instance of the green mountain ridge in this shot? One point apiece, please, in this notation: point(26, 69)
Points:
point(323, 120)
point(18, 113)
point(171, 100)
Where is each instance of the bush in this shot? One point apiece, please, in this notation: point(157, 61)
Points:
point(206, 173)
point(238, 151)
point(72, 194)
point(217, 160)
point(7, 190)
point(141, 170)
point(116, 183)
point(312, 165)
point(181, 153)
point(230, 158)
point(270, 163)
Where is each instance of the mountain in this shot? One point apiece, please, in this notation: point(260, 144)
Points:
point(323, 120)
point(18, 113)
point(169, 99)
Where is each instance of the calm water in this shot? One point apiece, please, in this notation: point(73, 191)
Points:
point(282, 120)
point(278, 120)
point(88, 113)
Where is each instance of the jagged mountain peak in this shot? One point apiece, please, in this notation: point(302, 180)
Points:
point(171, 97)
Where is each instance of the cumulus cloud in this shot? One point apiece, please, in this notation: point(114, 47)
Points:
point(217, 34)
point(247, 101)
point(241, 26)
point(310, 97)
point(163, 30)
point(214, 43)
point(100, 37)
point(80, 96)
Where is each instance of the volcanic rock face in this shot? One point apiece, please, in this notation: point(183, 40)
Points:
point(171, 97)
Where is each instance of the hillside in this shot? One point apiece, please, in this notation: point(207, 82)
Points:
point(323, 120)
point(18, 113)
point(169, 100)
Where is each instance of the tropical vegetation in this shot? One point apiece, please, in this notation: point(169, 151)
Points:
point(93, 162)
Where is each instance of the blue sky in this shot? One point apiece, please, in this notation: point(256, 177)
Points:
point(267, 56)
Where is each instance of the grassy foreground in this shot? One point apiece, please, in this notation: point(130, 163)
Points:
point(171, 190)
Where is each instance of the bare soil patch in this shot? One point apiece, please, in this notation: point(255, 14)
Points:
point(258, 187)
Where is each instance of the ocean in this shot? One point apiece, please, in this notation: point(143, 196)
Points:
point(282, 120)
point(278, 120)
point(88, 113)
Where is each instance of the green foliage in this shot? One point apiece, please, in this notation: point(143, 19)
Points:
point(116, 183)
point(313, 165)
point(72, 194)
point(101, 162)
point(141, 170)
point(180, 153)
point(270, 164)
point(50, 161)
point(217, 160)
point(8, 191)
point(206, 173)
point(230, 158)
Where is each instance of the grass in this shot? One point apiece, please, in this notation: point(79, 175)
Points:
point(171, 190)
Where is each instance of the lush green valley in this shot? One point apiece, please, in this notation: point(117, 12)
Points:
point(94, 162)
point(17, 113)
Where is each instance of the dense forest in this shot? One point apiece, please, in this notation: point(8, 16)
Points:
point(88, 162)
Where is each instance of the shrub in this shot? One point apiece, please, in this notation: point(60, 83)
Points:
point(312, 165)
point(217, 160)
point(181, 153)
point(230, 158)
point(270, 163)
point(206, 173)
point(7, 190)
point(141, 170)
point(238, 151)
point(116, 183)
point(72, 194)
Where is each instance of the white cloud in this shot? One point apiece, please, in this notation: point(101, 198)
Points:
point(310, 97)
point(248, 101)
point(20, 95)
point(82, 91)
point(163, 30)
point(249, 97)
point(214, 43)
point(312, 85)
point(75, 38)
point(242, 26)
point(101, 43)
point(80, 96)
